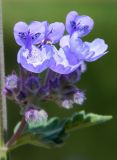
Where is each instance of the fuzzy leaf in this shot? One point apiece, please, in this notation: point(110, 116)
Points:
point(53, 132)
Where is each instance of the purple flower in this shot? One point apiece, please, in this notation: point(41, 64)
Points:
point(27, 35)
point(38, 52)
point(29, 56)
point(36, 41)
point(80, 24)
point(35, 61)
point(87, 51)
point(65, 60)
point(76, 47)
point(77, 51)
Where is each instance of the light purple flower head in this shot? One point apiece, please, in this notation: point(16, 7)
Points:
point(80, 24)
point(78, 51)
point(65, 64)
point(74, 52)
point(37, 40)
point(29, 56)
point(32, 57)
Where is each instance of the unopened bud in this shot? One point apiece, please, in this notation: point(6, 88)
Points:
point(32, 84)
point(35, 117)
point(79, 97)
point(11, 82)
point(21, 97)
point(67, 104)
point(8, 93)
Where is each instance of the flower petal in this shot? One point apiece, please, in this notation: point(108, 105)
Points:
point(64, 41)
point(60, 63)
point(98, 47)
point(56, 31)
point(20, 31)
point(35, 60)
point(71, 57)
point(84, 25)
point(78, 47)
point(71, 17)
point(37, 30)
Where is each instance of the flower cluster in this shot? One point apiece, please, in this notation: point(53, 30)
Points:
point(37, 40)
point(65, 65)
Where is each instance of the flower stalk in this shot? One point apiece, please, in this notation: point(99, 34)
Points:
point(3, 111)
point(17, 134)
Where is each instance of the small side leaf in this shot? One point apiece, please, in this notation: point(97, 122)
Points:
point(53, 132)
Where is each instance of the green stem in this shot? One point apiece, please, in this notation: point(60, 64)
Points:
point(3, 112)
point(3, 153)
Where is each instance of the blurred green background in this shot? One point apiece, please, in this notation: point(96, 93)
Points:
point(99, 82)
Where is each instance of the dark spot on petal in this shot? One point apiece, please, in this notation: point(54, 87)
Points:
point(83, 28)
point(35, 36)
point(22, 35)
point(73, 24)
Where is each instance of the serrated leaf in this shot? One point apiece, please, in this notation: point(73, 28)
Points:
point(53, 132)
point(83, 120)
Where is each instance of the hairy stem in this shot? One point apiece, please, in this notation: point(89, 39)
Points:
point(50, 75)
point(3, 111)
point(17, 134)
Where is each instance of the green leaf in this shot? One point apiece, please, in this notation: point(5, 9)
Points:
point(54, 132)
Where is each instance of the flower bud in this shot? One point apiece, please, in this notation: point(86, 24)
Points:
point(54, 84)
point(76, 75)
point(35, 117)
point(79, 97)
point(67, 104)
point(32, 84)
point(8, 93)
point(22, 97)
point(11, 82)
